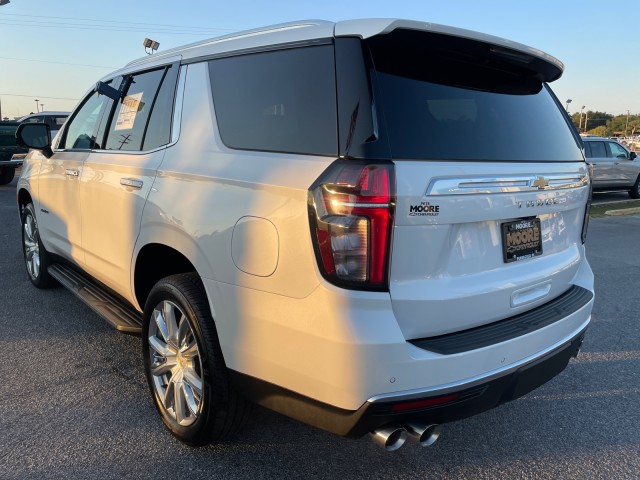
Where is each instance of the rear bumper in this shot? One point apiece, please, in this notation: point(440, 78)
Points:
point(447, 404)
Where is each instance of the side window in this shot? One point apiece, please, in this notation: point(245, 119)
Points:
point(587, 149)
point(598, 150)
point(59, 121)
point(80, 133)
point(37, 119)
point(159, 129)
point(129, 121)
point(616, 150)
point(283, 101)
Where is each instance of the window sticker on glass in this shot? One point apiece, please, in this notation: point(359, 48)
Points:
point(131, 105)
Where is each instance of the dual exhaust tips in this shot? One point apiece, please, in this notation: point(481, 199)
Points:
point(392, 437)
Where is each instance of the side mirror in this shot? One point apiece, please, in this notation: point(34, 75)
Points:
point(632, 156)
point(36, 136)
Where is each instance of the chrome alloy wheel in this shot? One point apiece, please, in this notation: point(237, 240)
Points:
point(31, 246)
point(176, 366)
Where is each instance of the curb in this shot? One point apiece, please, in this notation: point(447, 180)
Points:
point(623, 211)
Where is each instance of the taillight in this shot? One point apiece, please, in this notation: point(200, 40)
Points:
point(351, 210)
point(585, 222)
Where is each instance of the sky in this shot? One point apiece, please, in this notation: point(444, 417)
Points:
point(55, 50)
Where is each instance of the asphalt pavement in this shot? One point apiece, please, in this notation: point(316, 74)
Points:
point(74, 402)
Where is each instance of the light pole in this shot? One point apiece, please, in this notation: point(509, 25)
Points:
point(42, 107)
point(568, 102)
point(37, 106)
point(580, 127)
point(626, 127)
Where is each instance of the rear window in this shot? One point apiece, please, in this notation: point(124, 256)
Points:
point(454, 99)
point(282, 101)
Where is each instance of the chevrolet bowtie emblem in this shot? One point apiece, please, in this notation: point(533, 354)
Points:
point(541, 183)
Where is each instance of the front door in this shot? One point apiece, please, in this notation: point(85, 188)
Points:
point(59, 209)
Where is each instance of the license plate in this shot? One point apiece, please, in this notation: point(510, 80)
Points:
point(521, 239)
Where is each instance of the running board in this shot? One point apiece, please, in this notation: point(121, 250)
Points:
point(115, 311)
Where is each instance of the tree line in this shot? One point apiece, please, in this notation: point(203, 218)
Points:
point(606, 125)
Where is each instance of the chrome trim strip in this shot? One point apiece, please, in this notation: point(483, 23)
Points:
point(473, 381)
point(491, 185)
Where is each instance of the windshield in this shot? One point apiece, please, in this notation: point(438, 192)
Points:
point(444, 99)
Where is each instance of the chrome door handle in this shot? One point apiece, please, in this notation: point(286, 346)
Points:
point(130, 182)
point(71, 172)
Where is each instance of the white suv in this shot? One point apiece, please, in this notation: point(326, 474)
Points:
point(369, 226)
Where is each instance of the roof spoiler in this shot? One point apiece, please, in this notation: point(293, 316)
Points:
point(546, 66)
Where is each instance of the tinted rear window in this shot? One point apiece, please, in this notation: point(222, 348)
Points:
point(444, 99)
point(283, 101)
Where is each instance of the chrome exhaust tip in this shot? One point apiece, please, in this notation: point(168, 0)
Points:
point(391, 437)
point(425, 435)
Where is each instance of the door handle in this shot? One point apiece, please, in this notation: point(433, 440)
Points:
point(71, 172)
point(131, 182)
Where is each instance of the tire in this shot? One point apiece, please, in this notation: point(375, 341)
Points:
point(184, 366)
point(36, 258)
point(635, 190)
point(6, 175)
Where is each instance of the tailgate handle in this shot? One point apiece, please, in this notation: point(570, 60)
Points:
point(530, 294)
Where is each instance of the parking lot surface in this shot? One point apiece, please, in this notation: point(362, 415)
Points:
point(74, 402)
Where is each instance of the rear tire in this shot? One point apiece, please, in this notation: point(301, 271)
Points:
point(635, 190)
point(6, 175)
point(184, 366)
point(36, 258)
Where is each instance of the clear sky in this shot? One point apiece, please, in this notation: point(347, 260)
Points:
point(54, 50)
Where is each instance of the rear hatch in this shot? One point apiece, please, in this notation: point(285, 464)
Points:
point(491, 181)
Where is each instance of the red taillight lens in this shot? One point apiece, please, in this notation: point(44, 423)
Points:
point(351, 214)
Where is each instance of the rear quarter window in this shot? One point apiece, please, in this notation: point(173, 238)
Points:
point(279, 101)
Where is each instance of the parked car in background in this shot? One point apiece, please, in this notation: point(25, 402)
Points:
point(615, 167)
point(289, 216)
point(632, 143)
point(10, 153)
point(55, 120)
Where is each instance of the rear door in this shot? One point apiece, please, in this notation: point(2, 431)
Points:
point(117, 179)
point(491, 184)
